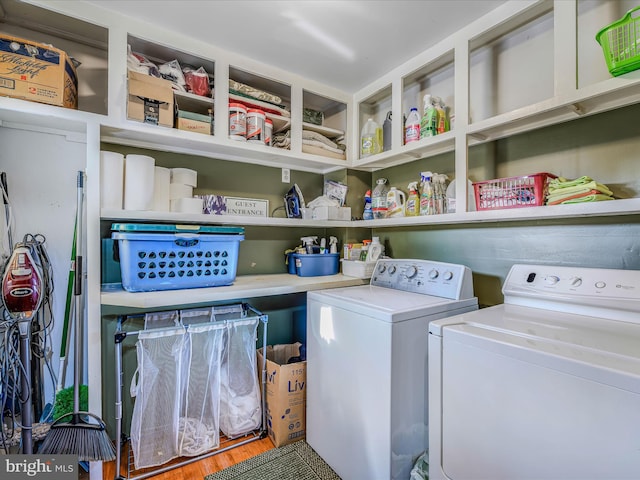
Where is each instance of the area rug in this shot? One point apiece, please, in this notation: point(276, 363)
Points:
point(296, 461)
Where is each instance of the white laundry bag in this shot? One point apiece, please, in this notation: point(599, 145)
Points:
point(240, 407)
point(155, 418)
point(199, 430)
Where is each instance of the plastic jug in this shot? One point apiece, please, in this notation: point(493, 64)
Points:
point(379, 199)
point(386, 133)
point(369, 139)
point(412, 127)
point(395, 202)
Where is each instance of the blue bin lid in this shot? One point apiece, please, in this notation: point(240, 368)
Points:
point(168, 228)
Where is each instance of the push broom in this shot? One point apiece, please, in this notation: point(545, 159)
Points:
point(79, 433)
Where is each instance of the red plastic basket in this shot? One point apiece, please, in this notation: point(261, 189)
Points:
point(512, 192)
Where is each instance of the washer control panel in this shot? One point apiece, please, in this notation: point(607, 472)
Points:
point(426, 277)
point(590, 289)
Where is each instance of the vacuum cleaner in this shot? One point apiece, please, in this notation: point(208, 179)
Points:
point(22, 295)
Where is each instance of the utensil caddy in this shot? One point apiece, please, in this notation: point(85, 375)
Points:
point(164, 323)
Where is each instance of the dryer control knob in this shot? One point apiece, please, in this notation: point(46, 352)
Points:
point(600, 284)
point(411, 271)
point(433, 274)
point(551, 280)
point(448, 276)
point(392, 269)
point(382, 268)
point(575, 281)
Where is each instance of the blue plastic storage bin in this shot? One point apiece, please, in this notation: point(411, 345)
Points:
point(316, 265)
point(164, 257)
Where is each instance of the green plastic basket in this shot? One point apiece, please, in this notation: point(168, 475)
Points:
point(620, 43)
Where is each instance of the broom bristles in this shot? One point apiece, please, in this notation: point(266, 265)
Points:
point(89, 442)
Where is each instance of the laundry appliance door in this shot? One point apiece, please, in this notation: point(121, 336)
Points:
point(532, 394)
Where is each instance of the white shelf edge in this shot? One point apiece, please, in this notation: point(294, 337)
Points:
point(206, 219)
point(426, 147)
point(245, 286)
point(136, 134)
point(629, 206)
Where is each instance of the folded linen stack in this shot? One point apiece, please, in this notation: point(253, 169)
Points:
point(318, 144)
point(580, 190)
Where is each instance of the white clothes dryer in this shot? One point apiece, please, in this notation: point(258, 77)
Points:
point(367, 365)
point(545, 386)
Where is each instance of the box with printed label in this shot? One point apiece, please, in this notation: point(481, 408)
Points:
point(37, 72)
point(194, 122)
point(150, 99)
point(286, 393)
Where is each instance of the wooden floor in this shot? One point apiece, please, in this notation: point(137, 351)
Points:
point(199, 469)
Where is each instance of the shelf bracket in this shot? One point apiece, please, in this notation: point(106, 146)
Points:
point(576, 108)
point(479, 136)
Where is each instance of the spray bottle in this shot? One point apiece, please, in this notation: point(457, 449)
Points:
point(428, 126)
point(308, 243)
point(426, 195)
point(412, 207)
point(368, 211)
point(333, 245)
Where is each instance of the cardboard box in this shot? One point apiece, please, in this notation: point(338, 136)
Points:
point(150, 100)
point(37, 72)
point(286, 394)
point(194, 122)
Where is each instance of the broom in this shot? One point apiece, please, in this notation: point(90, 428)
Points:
point(79, 433)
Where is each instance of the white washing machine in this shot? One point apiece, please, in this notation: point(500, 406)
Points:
point(367, 365)
point(545, 386)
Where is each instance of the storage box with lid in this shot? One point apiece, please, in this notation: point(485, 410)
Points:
point(170, 257)
point(316, 264)
point(150, 99)
point(34, 71)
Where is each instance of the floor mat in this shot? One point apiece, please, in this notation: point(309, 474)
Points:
point(295, 461)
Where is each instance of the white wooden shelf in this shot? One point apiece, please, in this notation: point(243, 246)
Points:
point(205, 219)
point(245, 286)
point(629, 206)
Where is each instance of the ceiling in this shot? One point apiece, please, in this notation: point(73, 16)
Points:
point(346, 44)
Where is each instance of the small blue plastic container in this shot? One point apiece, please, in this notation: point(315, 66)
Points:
point(317, 265)
point(166, 257)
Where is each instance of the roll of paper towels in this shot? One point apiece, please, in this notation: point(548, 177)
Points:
point(180, 190)
point(184, 176)
point(139, 174)
point(161, 182)
point(186, 205)
point(111, 180)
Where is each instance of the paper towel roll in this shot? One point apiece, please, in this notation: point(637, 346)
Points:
point(180, 190)
point(138, 182)
point(184, 176)
point(111, 180)
point(186, 205)
point(161, 182)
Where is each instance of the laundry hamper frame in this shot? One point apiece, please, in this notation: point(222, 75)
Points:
point(261, 432)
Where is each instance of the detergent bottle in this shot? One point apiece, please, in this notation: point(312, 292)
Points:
point(375, 250)
point(428, 125)
point(369, 139)
point(412, 207)
point(367, 214)
point(412, 127)
point(395, 202)
point(379, 199)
